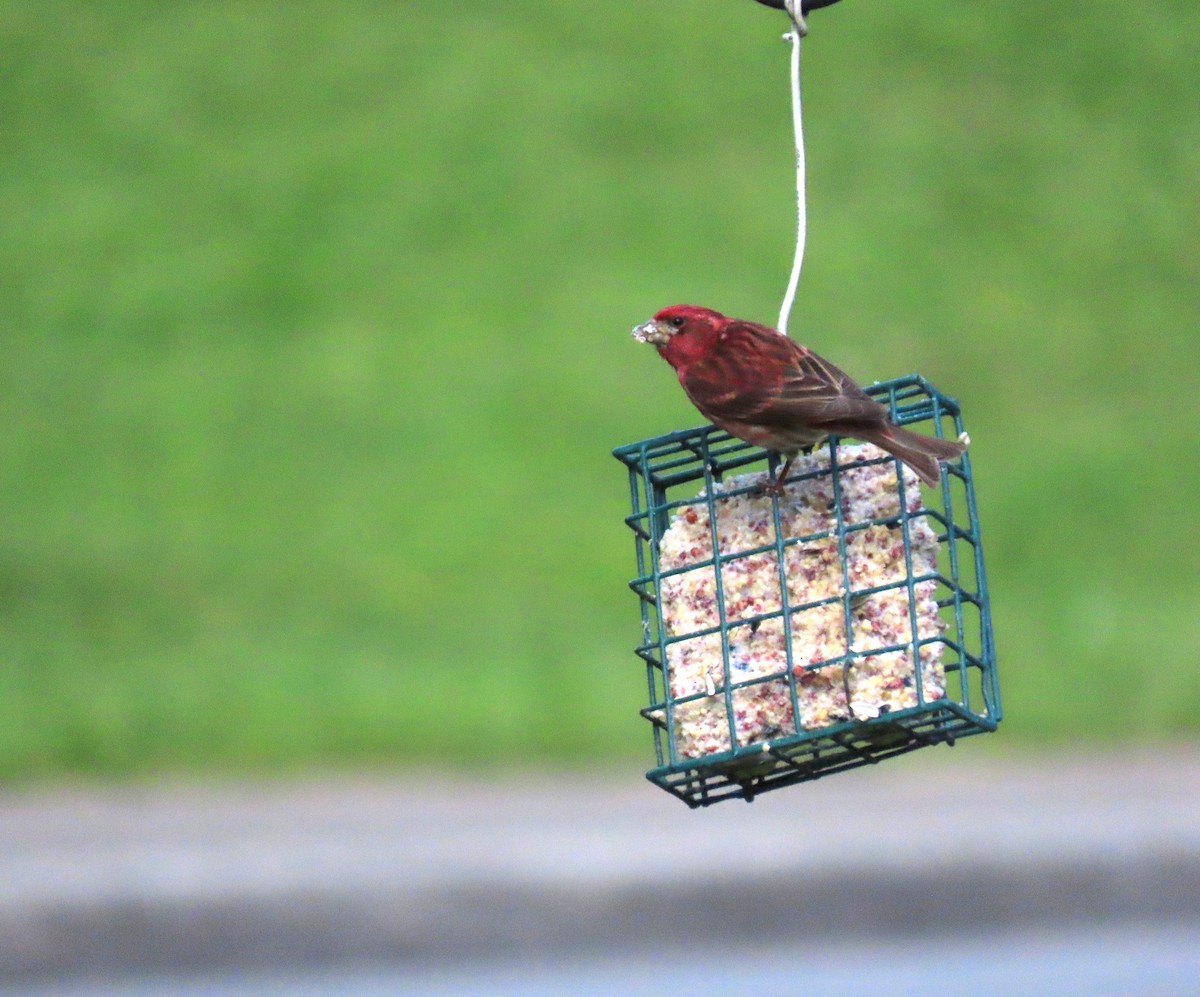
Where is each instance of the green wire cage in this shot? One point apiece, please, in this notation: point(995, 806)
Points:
point(791, 636)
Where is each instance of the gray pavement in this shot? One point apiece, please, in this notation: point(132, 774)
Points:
point(429, 875)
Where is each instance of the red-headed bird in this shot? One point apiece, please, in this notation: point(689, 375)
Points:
point(762, 387)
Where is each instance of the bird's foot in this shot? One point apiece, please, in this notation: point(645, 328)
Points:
point(772, 486)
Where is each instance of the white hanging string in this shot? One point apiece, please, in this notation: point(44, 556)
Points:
point(798, 31)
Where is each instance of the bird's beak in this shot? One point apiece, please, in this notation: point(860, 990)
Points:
point(654, 331)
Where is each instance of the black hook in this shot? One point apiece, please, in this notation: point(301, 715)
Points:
point(804, 7)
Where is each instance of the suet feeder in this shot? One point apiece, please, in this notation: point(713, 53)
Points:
point(792, 635)
point(793, 629)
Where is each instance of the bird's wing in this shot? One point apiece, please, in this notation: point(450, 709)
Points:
point(818, 392)
point(757, 374)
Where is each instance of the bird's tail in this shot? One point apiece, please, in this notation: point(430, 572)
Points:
point(921, 453)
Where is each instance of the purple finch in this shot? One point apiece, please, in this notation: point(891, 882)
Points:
point(762, 387)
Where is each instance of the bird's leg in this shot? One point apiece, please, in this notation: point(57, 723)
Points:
point(783, 472)
point(775, 485)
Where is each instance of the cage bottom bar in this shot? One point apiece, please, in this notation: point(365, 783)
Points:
point(785, 761)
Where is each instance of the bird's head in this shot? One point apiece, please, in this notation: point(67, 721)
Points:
point(682, 333)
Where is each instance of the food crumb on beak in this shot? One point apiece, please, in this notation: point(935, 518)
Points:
point(649, 332)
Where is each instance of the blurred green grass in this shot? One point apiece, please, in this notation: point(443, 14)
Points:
point(315, 324)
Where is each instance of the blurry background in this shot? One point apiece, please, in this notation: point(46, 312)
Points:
point(315, 343)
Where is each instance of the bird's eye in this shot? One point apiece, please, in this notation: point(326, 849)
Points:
point(676, 321)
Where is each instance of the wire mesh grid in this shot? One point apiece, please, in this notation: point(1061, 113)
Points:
point(951, 690)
